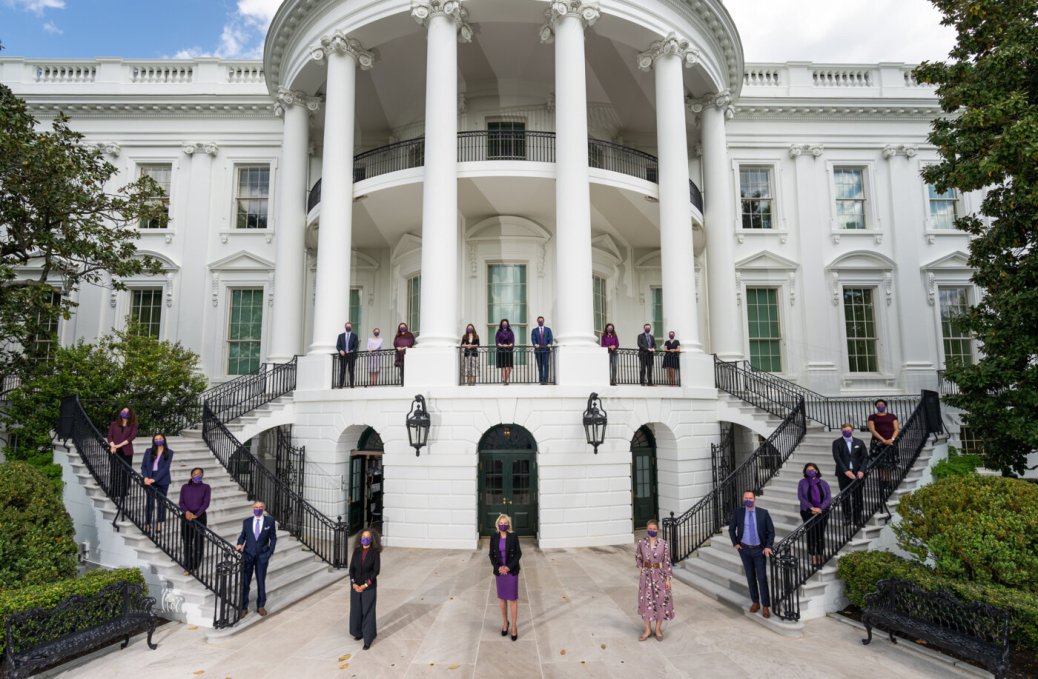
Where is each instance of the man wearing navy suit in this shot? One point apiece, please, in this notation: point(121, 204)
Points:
point(850, 454)
point(542, 339)
point(256, 543)
point(753, 536)
point(646, 350)
point(347, 345)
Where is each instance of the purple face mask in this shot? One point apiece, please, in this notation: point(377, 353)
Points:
point(365, 541)
point(257, 512)
point(503, 527)
point(651, 533)
point(747, 503)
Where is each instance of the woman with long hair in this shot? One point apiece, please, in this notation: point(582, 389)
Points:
point(403, 341)
point(121, 433)
point(470, 346)
point(612, 343)
point(815, 497)
point(374, 367)
point(364, 568)
point(505, 341)
point(155, 470)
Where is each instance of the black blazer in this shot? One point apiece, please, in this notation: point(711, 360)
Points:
point(258, 549)
point(365, 569)
point(646, 343)
point(340, 342)
point(765, 528)
point(512, 553)
point(859, 453)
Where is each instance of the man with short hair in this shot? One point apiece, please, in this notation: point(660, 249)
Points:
point(542, 340)
point(850, 454)
point(346, 345)
point(256, 543)
point(753, 536)
point(646, 352)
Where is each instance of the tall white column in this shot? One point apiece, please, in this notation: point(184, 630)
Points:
point(334, 240)
point(197, 233)
point(290, 259)
point(667, 57)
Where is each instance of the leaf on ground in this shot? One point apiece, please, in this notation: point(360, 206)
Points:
point(603, 647)
point(198, 672)
point(345, 657)
point(192, 628)
point(344, 666)
point(562, 652)
point(453, 667)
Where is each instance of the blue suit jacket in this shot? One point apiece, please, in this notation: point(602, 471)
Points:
point(161, 475)
point(258, 549)
point(340, 342)
point(535, 340)
point(765, 528)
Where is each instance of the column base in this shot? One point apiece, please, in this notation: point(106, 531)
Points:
point(697, 370)
point(426, 366)
point(314, 372)
point(581, 366)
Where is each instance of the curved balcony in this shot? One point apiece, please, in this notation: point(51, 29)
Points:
point(487, 145)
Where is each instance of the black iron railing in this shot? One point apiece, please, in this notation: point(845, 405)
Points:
point(403, 155)
point(370, 369)
point(722, 453)
point(487, 365)
point(289, 460)
point(633, 366)
point(244, 394)
point(708, 517)
point(314, 199)
point(213, 561)
point(481, 145)
point(945, 387)
point(824, 535)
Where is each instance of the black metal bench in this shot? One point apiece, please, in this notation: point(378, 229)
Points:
point(44, 637)
point(976, 631)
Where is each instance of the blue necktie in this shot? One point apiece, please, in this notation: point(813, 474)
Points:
point(751, 536)
point(257, 527)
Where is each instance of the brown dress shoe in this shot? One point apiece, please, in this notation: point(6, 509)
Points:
point(263, 611)
point(754, 608)
point(244, 612)
point(767, 612)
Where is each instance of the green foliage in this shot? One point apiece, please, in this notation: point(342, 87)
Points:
point(60, 222)
point(975, 528)
point(989, 139)
point(956, 464)
point(48, 596)
point(36, 534)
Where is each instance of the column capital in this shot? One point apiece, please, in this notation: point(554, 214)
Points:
point(340, 43)
point(720, 100)
point(797, 150)
point(587, 12)
point(206, 147)
point(286, 99)
point(672, 45)
point(424, 10)
point(907, 150)
point(110, 148)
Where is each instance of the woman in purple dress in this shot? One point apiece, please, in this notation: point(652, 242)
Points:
point(504, 557)
point(505, 341)
point(611, 342)
point(654, 598)
point(403, 341)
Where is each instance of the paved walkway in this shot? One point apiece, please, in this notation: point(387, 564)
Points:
point(438, 617)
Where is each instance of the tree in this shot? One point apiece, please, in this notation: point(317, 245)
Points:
point(60, 227)
point(988, 138)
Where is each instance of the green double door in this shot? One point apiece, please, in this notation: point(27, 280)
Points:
point(644, 484)
point(508, 485)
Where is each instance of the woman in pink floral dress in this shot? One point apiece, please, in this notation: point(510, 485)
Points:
point(654, 597)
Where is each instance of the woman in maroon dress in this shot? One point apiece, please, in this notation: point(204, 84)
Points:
point(884, 427)
point(403, 341)
point(655, 602)
point(504, 557)
point(121, 433)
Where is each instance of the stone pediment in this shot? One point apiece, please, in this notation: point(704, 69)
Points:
point(956, 261)
point(167, 263)
point(862, 260)
point(766, 261)
point(242, 261)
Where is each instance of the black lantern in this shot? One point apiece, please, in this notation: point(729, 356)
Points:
point(418, 425)
point(595, 422)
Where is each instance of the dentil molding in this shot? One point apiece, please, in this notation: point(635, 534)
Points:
point(587, 12)
point(340, 43)
point(669, 46)
point(424, 10)
point(286, 99)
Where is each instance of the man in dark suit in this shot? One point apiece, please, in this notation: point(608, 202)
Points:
point(347, 345)
point(256, 543)
point(753, 536)
point(646, 351)
point(850, 454)
point(542, 339)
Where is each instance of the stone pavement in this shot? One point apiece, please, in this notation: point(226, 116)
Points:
point(438, 617)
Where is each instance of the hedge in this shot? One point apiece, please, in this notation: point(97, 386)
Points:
point(860, 572)
point(49, 596)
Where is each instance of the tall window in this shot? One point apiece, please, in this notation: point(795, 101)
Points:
point(46, 340)
point(146, 311)
point(944, 208)
point(958, 347)
point(506, 140)
point(860, 322)
point(756, 195)
point(598, 294)
point(850, 197)
point(245, 331)
point(253, 196)
point(414, 303)
point(162, 173)
point(355, 309)
point(764, 330)
point(656, 300)
point(506, 298)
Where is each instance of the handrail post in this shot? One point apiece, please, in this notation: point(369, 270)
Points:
point(673, 539)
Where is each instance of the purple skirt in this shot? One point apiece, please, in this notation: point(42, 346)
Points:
point(508, 587)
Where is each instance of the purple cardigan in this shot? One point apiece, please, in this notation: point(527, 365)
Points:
point(504, 337)
point(805, 502)
point(610, 341)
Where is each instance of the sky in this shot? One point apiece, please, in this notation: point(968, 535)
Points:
point(826, 31)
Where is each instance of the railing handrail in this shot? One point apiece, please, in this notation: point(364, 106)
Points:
point(280, 375)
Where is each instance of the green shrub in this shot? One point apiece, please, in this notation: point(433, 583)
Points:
point(975, 528)
point(37, 542)
point(48, 596)
point(956, 464)
point(860, 571)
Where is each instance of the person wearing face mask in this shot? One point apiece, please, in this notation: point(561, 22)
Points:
point(612, 343)
point(155, 470)
point(542, 340)
point(374, 367)
point(504, 557)
point(815, 497)
point(753, 536)
point(194, 501)
point(849, 454)
point(256, 542)
point(646, 351)
point(655, 602)
point(347, 344)
point(403, 341)
point(505, 341)
point(121, 433)
point(884, 427)
point(671, 358)
point(364, 568)
point(470, 354)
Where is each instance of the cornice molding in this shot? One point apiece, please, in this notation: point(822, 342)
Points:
point(866, 110)
point(287, 98)
point(424, 10)
point(672, 45)
point(340, 43)
point(113, 109)
point(587, 12)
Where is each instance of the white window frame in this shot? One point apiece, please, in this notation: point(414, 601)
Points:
point(970, 301)
point(949, 275)
point(174, 163)
point(963, 207)
point(158, 284)
point(882, 280)
point(777, 223)
point(232, 166)
point(873, 225)
point(225, 332)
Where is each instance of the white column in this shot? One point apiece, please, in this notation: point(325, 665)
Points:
point(290, 258)
point(197, 235)
point(334, 241)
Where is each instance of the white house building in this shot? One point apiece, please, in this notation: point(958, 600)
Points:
point(442, 163)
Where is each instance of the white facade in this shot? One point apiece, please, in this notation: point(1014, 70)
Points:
point(469, 126)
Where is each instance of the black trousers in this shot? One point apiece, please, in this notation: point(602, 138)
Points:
point(119, 475)
point(346, 365)
point(851, 505)
point(156, 496)
point(194, 542)
point(250, 564)
point(815, 534)
point(756, 566)
point(645, 367)
point(362, 614)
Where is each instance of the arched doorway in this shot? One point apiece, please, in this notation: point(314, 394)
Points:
point(644, 483)
point(508, 479)
point(364, 489)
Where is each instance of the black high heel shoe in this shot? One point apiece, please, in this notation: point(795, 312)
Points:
point(516, 635)
point(504, 632)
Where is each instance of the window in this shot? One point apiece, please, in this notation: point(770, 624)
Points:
point(146, 311)
point(944, 208)
point(765, 333)
point(355, 309)
point(506, 298)
point(850, 197)
point(598, 296)
point(756, 197)
point(970, 442)
point(245, 331)
point(162, 173)
point(252, 197)
point(414, 303)
point(506, 140)
point(46, 340)
point(958, 346)
point(656, 300)
point(860, 322)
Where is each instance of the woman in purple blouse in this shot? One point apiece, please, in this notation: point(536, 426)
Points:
point(505, 341)
point(815, 497)
point(403, 341)
point(611, 342)
point(121, 433)
point(194, 501)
